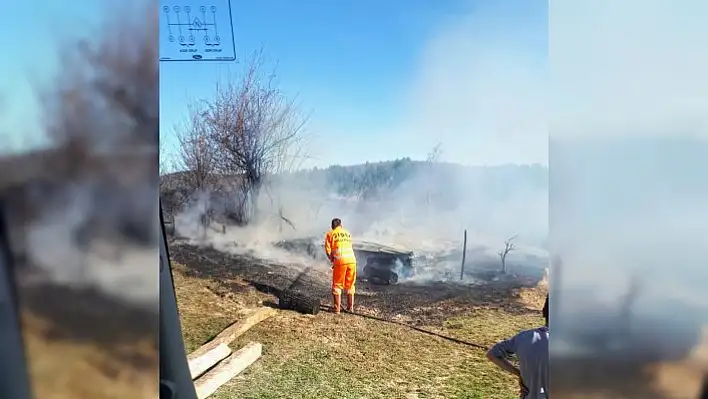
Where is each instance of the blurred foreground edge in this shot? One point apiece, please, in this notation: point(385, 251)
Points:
point(14, 381)
point(175, 377)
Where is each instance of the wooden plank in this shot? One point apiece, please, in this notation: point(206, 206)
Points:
point(229, 368)
point(201, 364)
point(234, 331)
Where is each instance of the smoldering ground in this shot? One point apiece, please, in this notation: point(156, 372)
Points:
point(426, 213)
point(82, 216)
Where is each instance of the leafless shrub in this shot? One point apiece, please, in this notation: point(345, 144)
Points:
point(196, 158)
point(434, 154)
point(256, 130)
point(508, 247)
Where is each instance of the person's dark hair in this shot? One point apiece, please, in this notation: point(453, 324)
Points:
point(336, 222)
point(545, 310)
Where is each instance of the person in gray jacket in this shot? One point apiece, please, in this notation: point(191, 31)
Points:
point(531, 348)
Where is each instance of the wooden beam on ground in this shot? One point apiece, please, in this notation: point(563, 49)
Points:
point(201, 364)
point(229, 368)
point(234, 331)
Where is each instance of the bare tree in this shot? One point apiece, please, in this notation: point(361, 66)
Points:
point(256, 128)
point(434, 154)
point(508, 247)
point(167, 168)
point(197, 152)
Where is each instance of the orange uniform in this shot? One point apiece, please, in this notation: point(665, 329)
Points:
point(338, 247)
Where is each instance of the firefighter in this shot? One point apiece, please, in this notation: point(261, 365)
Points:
point(338, 247)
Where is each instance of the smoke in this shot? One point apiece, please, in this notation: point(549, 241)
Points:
point(112, 261)
point(85, 205)
point(480, 87)
point(628, 196)
point(426, 213)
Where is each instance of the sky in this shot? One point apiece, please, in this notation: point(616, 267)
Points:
point(45, 24)
point(383, 80)
point(628, 197)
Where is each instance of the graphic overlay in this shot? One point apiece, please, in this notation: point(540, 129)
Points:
point(196, 31)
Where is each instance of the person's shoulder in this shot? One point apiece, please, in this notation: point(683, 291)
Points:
point(533, 332)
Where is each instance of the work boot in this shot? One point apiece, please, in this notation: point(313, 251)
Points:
point(337, 299)
point(350, 303)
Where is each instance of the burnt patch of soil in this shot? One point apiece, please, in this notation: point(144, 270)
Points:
point(432, 304)
point(418, 304)
point(266, 276)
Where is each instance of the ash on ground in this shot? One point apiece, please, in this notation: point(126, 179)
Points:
point(409, 299)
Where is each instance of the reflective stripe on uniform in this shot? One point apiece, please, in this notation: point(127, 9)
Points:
point(344, 254)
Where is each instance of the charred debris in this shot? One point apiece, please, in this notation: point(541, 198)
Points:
point(382, 264)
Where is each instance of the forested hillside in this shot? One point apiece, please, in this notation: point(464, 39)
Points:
point(371, 179)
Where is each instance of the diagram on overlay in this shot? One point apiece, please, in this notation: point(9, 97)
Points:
point(196, 31)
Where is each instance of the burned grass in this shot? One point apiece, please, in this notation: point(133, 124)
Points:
point(418, 304)
point(346, 356)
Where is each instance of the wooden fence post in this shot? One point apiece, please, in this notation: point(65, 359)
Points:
point(464, 255)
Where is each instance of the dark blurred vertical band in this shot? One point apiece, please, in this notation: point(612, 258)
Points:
point(14, 381)
point(175, 378)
